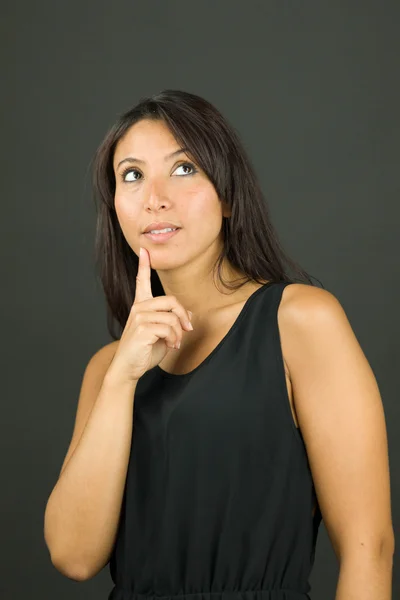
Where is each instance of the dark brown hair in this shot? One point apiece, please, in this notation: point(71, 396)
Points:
point(251, 243)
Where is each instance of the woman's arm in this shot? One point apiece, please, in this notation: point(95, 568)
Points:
point(83, 510)
point(342, 421)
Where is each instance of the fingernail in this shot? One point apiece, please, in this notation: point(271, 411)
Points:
point(189, 325)
point(190, 314)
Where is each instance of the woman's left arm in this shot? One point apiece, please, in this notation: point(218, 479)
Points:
point(341, 417)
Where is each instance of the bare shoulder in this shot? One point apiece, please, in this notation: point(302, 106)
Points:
point(305, 311)
point(102, 358)
point(306, 302)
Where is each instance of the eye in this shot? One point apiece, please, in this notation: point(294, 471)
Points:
point(126, 171)
point(132, 170)
point(190, 165)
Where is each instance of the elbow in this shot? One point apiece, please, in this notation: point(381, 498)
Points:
point(78, 568)
point(74, 566)
point(387, 545)
point(68, 563)
point(76, 572)
point(74, 559)
point(379, 547)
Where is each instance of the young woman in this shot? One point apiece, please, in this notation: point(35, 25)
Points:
point(231, 412)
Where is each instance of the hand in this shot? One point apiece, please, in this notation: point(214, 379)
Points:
point(153, 327)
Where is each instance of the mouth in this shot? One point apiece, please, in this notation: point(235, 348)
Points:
point(161, 237)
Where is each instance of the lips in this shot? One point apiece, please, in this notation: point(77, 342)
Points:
point(159, 238)
point(160, 225)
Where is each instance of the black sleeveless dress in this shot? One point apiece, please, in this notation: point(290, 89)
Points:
point(219, 494)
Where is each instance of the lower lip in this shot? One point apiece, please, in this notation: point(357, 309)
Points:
point(161, 237)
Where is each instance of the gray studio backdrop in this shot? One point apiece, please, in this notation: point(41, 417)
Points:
point(312, 87)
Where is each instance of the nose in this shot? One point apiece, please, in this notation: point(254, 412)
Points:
point(156, 195)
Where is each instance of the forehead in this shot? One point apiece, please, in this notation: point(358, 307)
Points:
point(145, 138)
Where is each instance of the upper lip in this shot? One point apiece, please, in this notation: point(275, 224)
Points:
point(160, 226)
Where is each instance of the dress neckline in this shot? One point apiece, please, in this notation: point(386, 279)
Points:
point(234, 325)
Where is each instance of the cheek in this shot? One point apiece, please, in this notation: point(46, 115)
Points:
point(128, 219)
point(125, 209)
point(205, 216)
point(204, 222)
point(200, 201)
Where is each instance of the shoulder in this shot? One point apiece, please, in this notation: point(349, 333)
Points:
point(101, 359)
point(97, 367)
point(304, 304)
point(308, 318)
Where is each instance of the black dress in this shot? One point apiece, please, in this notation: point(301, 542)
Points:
point(219, 494)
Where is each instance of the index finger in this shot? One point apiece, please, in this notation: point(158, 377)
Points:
point(143, 281)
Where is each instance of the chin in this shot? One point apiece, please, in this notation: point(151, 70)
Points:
point(162, 260)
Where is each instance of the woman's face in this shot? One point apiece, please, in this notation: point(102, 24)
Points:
point(158, 187)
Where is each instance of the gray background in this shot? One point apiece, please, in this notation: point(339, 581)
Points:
point(312, 87)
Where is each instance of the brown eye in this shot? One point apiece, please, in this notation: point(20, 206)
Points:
point(187, 164)
point(126, 171)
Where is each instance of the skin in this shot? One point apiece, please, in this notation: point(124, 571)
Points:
point(334, 392)
point(165, 190)
point(341, 416)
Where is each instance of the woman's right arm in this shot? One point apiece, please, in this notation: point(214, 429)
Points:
point(83, 510)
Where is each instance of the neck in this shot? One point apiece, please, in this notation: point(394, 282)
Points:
point(202, 293)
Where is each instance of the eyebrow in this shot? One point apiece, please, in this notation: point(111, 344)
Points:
point(131, 159)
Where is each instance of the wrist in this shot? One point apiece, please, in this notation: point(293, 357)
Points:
point(115, 379)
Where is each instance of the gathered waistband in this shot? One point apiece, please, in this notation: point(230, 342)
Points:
point(119, 593)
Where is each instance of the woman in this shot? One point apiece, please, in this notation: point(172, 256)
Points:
point(205, 453)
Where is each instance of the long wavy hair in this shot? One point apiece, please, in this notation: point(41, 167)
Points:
point(250, 242)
